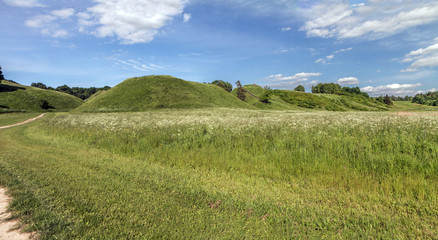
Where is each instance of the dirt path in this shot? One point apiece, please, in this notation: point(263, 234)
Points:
point(6, 226)
point(22, 123)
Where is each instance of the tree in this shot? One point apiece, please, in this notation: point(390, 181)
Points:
point(327, 88)
point(39, 85)
point(387, 100)
point(1, 75)
point(266, 96)
point(300, 88)
point(240, 91)
point(225, 85)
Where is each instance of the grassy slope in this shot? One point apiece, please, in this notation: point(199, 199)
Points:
point(270, 180)
point(408, 106)
point(276, 102)
point(154, 92)
point(330, 102)
point(15, 97)
point(293, 100)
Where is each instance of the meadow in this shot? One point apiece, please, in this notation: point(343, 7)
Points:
point(225, 174)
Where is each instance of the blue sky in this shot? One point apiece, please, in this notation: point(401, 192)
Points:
point(382, 46)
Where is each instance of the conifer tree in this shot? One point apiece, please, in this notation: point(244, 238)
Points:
point(1, 74)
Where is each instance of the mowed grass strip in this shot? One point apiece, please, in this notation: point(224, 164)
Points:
point(289, 176)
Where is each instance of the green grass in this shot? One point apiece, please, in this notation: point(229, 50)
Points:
point(157, 92)
point(11, 118)
point(225, 174)
point(276, 103)
point(19, 98)
point(408, 106)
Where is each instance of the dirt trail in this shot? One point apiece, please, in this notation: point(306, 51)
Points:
point(6, 226)
point(22, 123)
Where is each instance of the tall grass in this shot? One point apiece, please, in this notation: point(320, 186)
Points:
point(229, 174)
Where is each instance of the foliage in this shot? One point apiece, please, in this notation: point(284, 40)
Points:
point(225, 174)
point(2, 77)
point(327, 88)
point(39, 85)
point(387, 100)
point(240, 91)
point(430, 98)
point(266, 96)
point(155, 92)
point(225, 85)
point(300, 88)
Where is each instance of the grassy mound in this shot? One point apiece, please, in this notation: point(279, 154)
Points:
point(276, 103)
point(155, 92)
point(294, 100)
point(18, 98)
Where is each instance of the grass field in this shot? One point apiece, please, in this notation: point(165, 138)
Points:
point(225, 174)
point(11, 118)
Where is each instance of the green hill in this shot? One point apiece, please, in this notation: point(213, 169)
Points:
point(154, 92)
point(18, 98)
point(294, 100)
point(276, 103)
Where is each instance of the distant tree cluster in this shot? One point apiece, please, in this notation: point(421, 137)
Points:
point(82, 93)
point(327, 88)
point(225, 85)
point(430, 98)
point(300, 88)
point(334, 88)
point(394, 98)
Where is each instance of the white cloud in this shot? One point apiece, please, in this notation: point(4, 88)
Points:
point(376, 19)
point(289, 82)
point(187, 17)
point(49, 24)
point(328, 58)
point(24, 3)
point(134, 64)
point(63, 13)
point(393, 89)
point(286, 29)
point(422, 58)
point(131, 21)
point(348, 81)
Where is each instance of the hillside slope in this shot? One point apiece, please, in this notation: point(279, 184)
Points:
point(154, 92)
point(294, 100)
point(276, 103)
point(18, 98)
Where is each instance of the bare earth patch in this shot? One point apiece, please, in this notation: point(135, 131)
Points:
point(5, 225)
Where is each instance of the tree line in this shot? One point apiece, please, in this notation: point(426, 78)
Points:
point(80, 92)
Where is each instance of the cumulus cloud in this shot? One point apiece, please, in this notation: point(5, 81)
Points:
point(49, 24)
point(24, 3)
point(289, 82)
point(421, 58)
point(286, 29)
point(393, 89)
point(374, 19)
point(131, 21)
point(348, 81)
